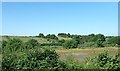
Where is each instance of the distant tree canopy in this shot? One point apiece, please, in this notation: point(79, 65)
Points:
point(114, 40)
point(96, 40)
point(99, 37)
point(41, 35)
point(64, 35)
point(51, 36)
point(70, 44)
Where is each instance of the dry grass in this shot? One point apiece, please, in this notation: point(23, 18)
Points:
point(81, 54)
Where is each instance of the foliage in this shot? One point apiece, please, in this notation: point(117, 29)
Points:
point(19, 55)
point(99, 43)
point(99, 37)
point(64, 35)
point(51, 36)
point(104, 61)
point(70, 44)
point(77, 39)
point(12, 45)
point(41, 35)
point(32, 60)
point(32, 43)
point(88, 45)
point(61, 41)
point(50, 44)
point(114, 40)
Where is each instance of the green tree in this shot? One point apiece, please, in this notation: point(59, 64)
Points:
point(41, 35)
point(64, 35)
point(32, 43)
point(70, 44)
point(52, 36)
point(99, 43)
point(61, 41)
point(77, 39)
point(99, 37)
point(114, 40)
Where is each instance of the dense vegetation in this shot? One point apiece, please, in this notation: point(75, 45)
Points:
point(33, 55)
point(91, 40)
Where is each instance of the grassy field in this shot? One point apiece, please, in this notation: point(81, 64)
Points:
point(82, 54)
point(40, 40)
point(77, 54)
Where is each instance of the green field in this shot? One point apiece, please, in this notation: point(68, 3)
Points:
point(78, 54)
point(55, 52)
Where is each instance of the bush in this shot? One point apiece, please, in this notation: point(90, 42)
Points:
point(99, 43)
point(70, 44)
point(65, 35)
point(41, 35)
point(61, 41)
point(32, 43)
point(50, 44)
point(88, 44)
point(32, 60)
point(12, 45)
point(104, 61)
point(51, 36)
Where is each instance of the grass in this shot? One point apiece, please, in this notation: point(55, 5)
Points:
point(40, 40)
point(63, 38)
point(82, 54)
point(77, 54)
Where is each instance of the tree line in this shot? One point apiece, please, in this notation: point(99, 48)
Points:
point(91, 40)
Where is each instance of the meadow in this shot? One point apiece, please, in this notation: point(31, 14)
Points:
point(73, 56)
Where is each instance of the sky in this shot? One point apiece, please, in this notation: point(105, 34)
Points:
point(60, 0)
point(83, 18)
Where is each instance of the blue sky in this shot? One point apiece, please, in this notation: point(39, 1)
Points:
point(31, 18)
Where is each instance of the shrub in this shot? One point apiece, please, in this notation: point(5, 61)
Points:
point(32, 43)
point(70, 44)
point(41, 35)
point(12, 45)
point(104, 61)
point(99, 43)
point(61, 41)
point(32, 60)
point(88, 44)
point(51, 36)
point(50, 44)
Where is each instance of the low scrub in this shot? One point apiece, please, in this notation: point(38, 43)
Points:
point(32, 60)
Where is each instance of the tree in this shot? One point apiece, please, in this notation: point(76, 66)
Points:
point(61, 41)
point(41, 35)
point(114, 40)
point(70, 44)
point(99, 36)
point(32, 43)
point(68, 35)
point(99, 43)
point(52, 36)
point(64, 35)
point(77, 39)
point(91, 37)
